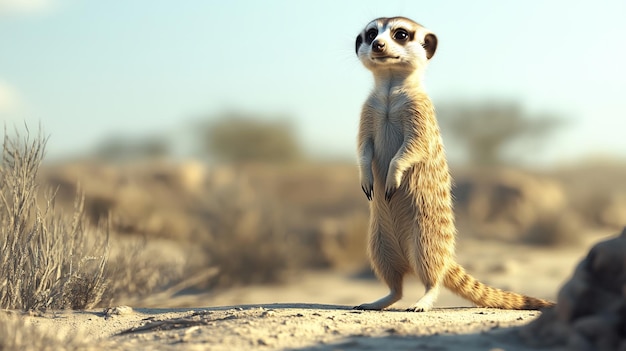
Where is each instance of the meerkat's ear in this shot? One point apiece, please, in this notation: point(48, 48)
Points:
point(359, 41)
point(430, 45)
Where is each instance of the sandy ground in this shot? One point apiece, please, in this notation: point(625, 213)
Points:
point(314, 311)
point(298, 327)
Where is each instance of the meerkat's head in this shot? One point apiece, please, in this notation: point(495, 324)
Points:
point(395, 43)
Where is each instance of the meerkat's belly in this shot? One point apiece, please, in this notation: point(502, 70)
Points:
point(387, 142)
point(398, 213)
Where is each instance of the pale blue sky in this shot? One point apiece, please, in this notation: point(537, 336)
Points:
point(89, 69)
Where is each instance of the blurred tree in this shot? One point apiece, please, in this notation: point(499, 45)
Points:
point(236, 137)
point(487, 129)
point(120, 148)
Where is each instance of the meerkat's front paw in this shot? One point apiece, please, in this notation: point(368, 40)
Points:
point(389, 193)
point(394, 177)
point(390, 187)
point(367, 180)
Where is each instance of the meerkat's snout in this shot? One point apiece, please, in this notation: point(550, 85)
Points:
point(378, 46)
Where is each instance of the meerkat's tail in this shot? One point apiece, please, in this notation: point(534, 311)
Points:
point(466, 286)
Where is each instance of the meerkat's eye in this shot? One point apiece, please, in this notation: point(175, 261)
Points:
point(371, 34)
point(401, 35)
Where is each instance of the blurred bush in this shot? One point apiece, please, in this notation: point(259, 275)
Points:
point(237, 138)
point(516, 206)
point(256, 223)
point(120, 148)
point(486, 131)
point(53, 257)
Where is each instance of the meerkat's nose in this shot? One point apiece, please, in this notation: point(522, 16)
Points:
point(378, 46)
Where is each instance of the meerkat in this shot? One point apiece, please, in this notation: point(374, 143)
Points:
point(404, 174)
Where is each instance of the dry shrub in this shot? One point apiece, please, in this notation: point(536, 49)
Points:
point(323, 209)
point(247, 238)
point(268, 221)
point(137, 269)
point(47, 260)
point(227, 224)
point(255, 223)
point(155, 200)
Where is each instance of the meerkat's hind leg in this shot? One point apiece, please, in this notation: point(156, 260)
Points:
point(394, 280)
point(381, 303)
point(427, 301)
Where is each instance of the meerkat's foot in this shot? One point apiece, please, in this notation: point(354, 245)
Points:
point(427, 301)
point(419, 307)
point(381, 303)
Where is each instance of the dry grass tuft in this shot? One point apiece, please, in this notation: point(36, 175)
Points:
point(47, 260)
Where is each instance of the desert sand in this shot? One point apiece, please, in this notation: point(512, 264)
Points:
point(314, 311)
point(296, 327)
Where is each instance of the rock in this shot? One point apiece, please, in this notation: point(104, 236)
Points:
point(118, 311)
point(591, 308)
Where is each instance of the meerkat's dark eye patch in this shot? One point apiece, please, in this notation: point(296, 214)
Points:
point(401, 34)
point(370, 35)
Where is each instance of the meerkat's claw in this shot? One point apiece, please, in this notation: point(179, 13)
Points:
point(414, 309)
point(368, 191)
point(389, 193)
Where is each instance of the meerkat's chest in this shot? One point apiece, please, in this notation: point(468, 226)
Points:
point(388, 111)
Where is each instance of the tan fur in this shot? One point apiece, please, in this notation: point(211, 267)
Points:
point(404, 172)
